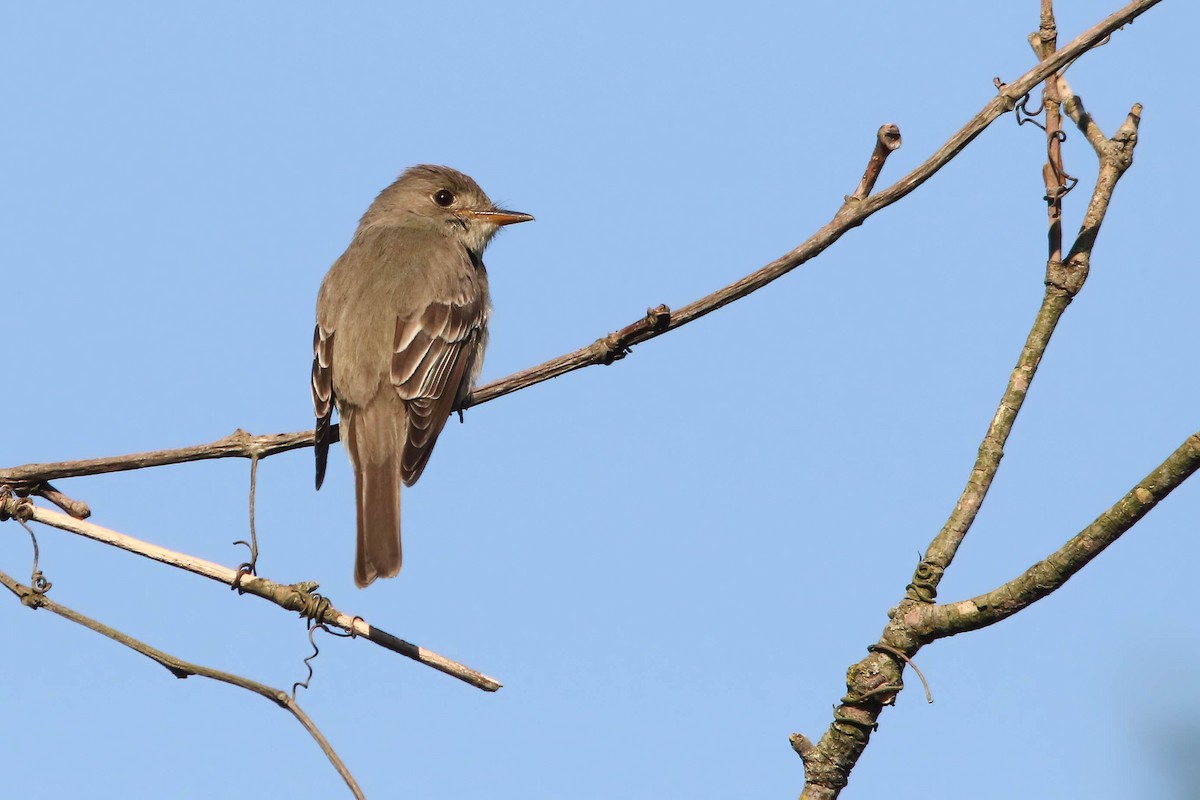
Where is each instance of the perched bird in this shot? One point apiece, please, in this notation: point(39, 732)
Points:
point(401, 329)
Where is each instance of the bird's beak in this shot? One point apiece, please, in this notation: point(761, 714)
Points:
point(497, 216)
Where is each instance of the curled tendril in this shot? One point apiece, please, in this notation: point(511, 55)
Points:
point(313, 627)
point(14, 505)
point(856, 729)
point(1024, 114)
point(1066, 181)
point(37, 580)
point(923, 588)
point(314, 606)
point(19, 507)
point(883, 648)
point(249, 567)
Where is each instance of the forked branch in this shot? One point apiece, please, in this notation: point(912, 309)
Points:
point(938, 621)
point(876, 681)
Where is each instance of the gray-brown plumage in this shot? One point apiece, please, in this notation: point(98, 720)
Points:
point(401, 329)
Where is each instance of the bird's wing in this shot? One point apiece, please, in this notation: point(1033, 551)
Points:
point(322, 394)
point(432, 355)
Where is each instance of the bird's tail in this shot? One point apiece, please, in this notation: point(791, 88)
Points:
point(374, 444)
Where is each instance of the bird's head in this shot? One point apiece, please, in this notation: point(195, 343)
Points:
point(442, 199)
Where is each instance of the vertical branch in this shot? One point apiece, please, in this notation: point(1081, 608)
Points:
point(1062, 284)
point(1044, 43)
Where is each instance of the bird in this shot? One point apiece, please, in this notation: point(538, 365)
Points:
point(402, 325)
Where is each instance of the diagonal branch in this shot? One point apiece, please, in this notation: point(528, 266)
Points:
point(1082, 119)
point(1063, 282)
point(659, 320)
point(852, 214)
point(184, 669)
point(300, 597)
point(238, 444)
point(938, 621)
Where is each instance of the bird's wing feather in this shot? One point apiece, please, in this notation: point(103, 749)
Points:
point(322, 394)
point(432, 356)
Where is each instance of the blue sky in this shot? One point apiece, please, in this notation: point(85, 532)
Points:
point(670, 562)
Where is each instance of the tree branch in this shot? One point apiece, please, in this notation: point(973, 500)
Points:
point(658, 320)
point(300, 597)
point(1044, 43)
point(876, 681)
point(184, 669)
point(238, 444)
point(1082, 119)
point(1044, 577)
point(1063, 282)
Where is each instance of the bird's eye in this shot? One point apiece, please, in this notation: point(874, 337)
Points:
point(444, 198)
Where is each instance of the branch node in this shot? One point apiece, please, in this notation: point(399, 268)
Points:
point(801, 744)
point(609, 349)
point(304, 599)
point(1125, 138)
point(31, 598)
point(883, 648)
point(13, 506)
point(887, 140)
point(658, 317)
point(617, 344)
point(1009, 102)
point(1067, 277)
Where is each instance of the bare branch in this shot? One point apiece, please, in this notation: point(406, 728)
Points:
point(1044, 43)
point(300, 598)
point(76, 508)
point(184, 669)
point(1044, 577)
point(238, 444)
point(1079, 115)
point(659, 320)
point(848, 217)
point(1063, 282)
point(875, 681)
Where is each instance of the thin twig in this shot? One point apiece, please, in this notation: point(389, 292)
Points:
point(1079, 115)
point(887, 140)
point(184, 669)
point(76, 508)
point(238, 444)
point(300, 598)
point(1044, 43)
